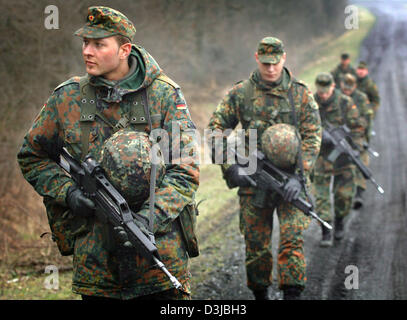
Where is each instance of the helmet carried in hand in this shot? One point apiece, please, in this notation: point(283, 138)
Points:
point(281, 144)
point(126, 158)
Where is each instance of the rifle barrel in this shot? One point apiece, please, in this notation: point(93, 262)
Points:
point(378, 187)
point(173, 280)
point(373, 153)
point(315, 216)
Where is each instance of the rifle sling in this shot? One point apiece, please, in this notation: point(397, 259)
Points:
point(88, 111)
point(300, 163)
point(153, 171)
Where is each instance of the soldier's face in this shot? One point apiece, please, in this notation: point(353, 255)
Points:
point(345, 62)
point(361, 73)
point(325, 95)
point(102, 57)
point(348, 92)
point(271, 72)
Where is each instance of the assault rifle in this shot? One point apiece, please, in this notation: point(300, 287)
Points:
point(273, 178)
point(344, 145)
point(111, 206)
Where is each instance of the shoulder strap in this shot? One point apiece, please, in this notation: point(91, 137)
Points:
point(88, 111)
point(165, 78)
point(153, 171)
point(300, 163)
point(67, 82)
point(295, 123)
point(342, 105)
point(248, 88)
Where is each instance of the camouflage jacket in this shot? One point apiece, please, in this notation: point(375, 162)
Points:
point(270, 106)
point(98, 270)
point(340, 71)
point(367, 86)
point(362, 102)
point(339, 110)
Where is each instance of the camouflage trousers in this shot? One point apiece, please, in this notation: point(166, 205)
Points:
point(344, 190)
point(359, 179)
point(256, 225)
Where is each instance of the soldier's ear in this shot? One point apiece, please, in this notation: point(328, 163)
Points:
point(125, 50)
point(284, 57)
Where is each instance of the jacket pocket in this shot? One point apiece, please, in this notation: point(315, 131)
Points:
point(74, 140)
point(285, 113)
point(187, 220)
point(64, 227)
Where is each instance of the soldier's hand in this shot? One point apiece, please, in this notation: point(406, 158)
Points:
point(292, 190)
point(122, 237)
point(235, 178)
point(78, 203)
point(326, 139)
point(262, 182)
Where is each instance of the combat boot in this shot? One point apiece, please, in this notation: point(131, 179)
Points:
point(339, 228)
point(261, 294)
point(326, 240)
point(358, 200)
point(292, 293)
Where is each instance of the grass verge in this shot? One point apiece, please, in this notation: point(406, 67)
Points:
point(325, 56)
point(38, 287)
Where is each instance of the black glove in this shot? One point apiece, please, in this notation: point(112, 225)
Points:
point(235, 179)
point(326, 139)
point(262, 182)
point(292, 190)
point(122, 237)
point(78, 203)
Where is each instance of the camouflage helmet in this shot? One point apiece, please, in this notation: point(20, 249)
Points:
point(281, 145)
point(348, 82)
point(126, 158)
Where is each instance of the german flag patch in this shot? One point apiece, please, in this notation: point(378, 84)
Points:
point(181, 106)
point(180, 102)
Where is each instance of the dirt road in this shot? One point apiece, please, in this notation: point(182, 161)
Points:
point(376, 239)
point(375, 245)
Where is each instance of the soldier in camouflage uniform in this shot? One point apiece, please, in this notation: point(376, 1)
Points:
point(129, 91)
point(368, 86)
point(342, 68)
point(337, 109)
point(258, 103)
point(348, 87)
